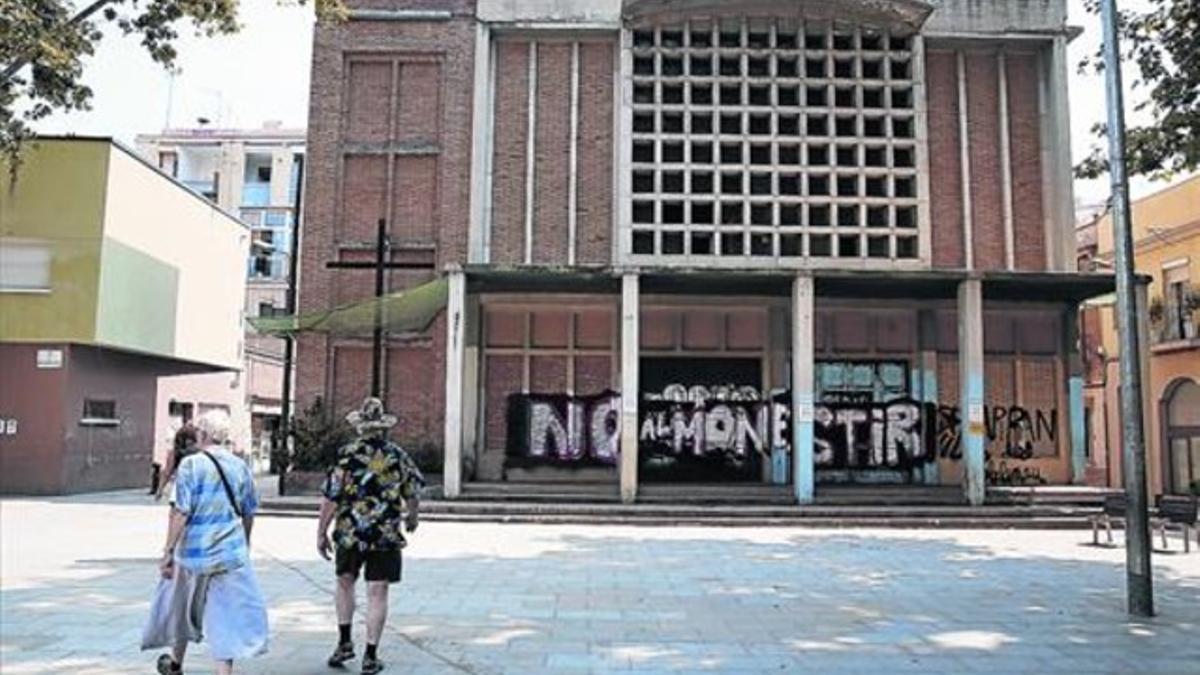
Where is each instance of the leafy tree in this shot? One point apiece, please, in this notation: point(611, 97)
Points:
point(44, 43)
point(1161, 40)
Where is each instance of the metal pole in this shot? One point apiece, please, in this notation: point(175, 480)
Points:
point(377, 335)
point(283, 455)
point(1139, 588)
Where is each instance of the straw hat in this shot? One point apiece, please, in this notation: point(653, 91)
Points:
point(371, 416)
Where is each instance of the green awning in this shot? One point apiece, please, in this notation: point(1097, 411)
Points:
point(408, 311)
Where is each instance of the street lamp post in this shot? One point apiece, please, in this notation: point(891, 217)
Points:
point(1139, 586)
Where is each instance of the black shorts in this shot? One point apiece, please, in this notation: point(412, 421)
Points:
point(380, 565)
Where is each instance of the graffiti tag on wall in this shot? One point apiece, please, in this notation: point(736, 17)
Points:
point(1013, 430)
point(736, 423)
point(565, 429)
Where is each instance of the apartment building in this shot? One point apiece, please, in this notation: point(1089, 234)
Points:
point(1166, 249)
point(254, 173)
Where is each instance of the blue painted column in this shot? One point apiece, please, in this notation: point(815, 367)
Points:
point(1074, 370)
point(925, 384)
point(971, 387)
point(803, 365)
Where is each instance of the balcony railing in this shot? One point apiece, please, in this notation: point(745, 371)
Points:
point(256, 194)
point(205, 188)
point(1175, 325)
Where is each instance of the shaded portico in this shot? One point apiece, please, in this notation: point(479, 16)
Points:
point(932, 294)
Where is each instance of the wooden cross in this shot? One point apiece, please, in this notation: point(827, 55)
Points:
point(382, 263)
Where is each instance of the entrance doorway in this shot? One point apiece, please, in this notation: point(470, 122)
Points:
point(1181, 413)
point(700, 420)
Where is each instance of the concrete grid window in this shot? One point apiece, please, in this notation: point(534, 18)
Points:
point(773, 139)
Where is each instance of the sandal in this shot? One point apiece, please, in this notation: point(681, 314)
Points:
point(167, 666)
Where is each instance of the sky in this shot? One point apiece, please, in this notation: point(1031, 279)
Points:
point(262, 74)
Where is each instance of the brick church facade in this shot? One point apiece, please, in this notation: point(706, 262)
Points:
point(795, 243)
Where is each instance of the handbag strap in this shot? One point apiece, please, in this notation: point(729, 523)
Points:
point(225, 482)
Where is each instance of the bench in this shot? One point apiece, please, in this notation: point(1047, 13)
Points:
point(1176, 512)
point(1114, 509)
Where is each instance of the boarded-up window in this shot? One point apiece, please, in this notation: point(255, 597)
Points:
point(364, 190)
point(414, 199)
point(368, 104)
point(419, 102)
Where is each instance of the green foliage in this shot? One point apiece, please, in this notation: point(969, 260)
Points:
point(426, 454)
point(44, 43)
point(1195, 487)
point(1160, 41)
point(318, 434)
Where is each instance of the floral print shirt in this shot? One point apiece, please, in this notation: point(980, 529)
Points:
point(369, 483)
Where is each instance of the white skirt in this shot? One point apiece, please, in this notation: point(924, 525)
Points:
point(227, 607)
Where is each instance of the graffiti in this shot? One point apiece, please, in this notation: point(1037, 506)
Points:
point(1003, 474)
point(737, 426)
point(728, 421)
point(869, 435)
point(1015, 429)
point(565, 429)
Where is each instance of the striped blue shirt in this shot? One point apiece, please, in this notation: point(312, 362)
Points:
point(213, 539)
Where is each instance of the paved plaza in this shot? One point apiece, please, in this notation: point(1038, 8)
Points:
point(77, 574)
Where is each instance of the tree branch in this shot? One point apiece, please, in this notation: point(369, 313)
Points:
point(83, 15)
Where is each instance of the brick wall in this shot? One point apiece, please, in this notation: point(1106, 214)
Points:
point(552, 170)
point(945, 165)
point(983, 137)
point(983, 129)
point(510, 132)
point(1029, 229)
point(595, 219)
point(389, 137)
point(552, 147)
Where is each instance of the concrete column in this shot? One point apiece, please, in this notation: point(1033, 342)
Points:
point(470, 421)
point(531, 151)
point(803, 363)
point(1152, 441)
point(926, 384)
point(231, 174)
point(1006, 177)
point(455, 352)
point(1074, 370)
point(479, 232)
point(1063, 252)
point(971, 388)
point(281, 176)
point(630, 309)
point(964, 140)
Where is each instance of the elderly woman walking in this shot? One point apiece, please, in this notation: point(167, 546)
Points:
point(208, 588)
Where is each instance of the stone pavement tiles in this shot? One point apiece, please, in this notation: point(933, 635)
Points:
point(76, 576)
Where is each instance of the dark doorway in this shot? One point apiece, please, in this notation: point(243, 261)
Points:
point(698, 419)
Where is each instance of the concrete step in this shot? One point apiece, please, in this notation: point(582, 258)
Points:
point(1051, 494)
point(757, 493)
point(907, 522)
point(760, 515)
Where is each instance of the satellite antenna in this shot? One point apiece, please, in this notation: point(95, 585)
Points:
point(170, 97)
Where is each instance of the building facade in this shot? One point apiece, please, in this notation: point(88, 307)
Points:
point(254, 173)
point(128, 282)
point(794, 243)
point(1166, 234)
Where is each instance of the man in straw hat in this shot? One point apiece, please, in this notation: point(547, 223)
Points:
point(365, 493)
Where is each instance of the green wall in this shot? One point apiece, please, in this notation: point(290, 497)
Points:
point(132, 284)
point(58, 196)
